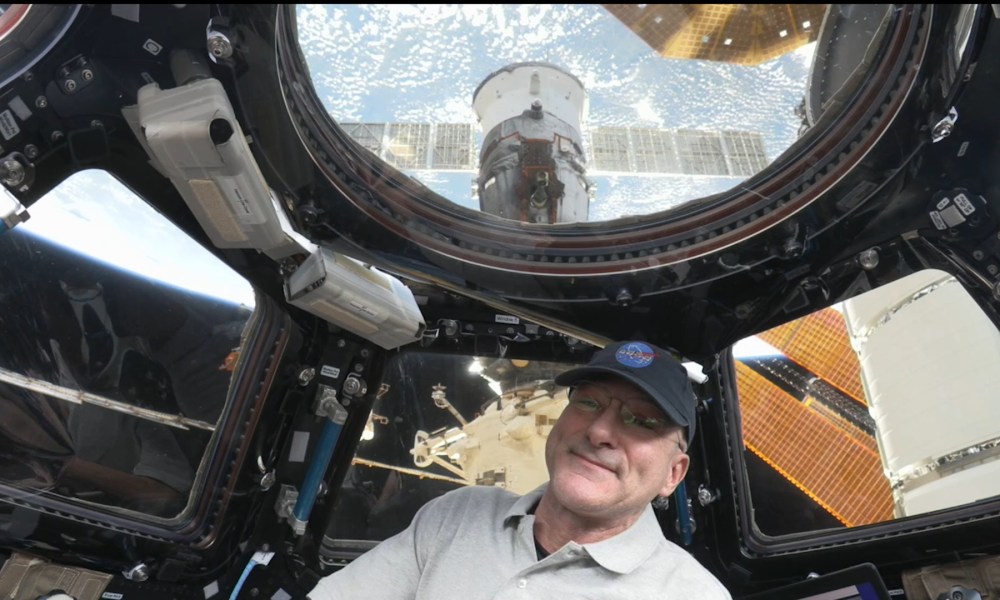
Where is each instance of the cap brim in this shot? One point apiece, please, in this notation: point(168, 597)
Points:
point(572, 376)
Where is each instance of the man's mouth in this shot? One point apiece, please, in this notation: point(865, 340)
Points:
point(593, 461)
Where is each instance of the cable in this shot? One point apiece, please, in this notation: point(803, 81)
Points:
point(258, 558)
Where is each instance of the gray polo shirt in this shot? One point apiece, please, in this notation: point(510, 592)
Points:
point(478, 542)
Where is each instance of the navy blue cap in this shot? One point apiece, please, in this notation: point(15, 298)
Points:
point(651, 369)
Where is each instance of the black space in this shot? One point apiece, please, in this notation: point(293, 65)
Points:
point(779, 507)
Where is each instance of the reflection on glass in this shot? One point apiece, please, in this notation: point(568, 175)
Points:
point(443, 421)
point(880, 409)
point(111, 382)
point(683, 101)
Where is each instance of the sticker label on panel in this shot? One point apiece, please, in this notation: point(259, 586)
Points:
point(20, 108)
point(952, 216)
point(964, 204)
point(938, 221)
point(508, 319)
point(300, 443)
point(8, 126)
point(211, 589)
point(328, 371)
point(363, 308)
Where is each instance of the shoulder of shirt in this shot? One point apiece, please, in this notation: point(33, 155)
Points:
point(478, 493)
point(472, 506)
point(480, 496)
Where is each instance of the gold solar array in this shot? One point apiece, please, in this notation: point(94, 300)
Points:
point(747, 34)
point(846, 426)
point(819, 342)
point(842, 473)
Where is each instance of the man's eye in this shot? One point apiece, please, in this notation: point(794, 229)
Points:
point(649, 423)
point(587, 404)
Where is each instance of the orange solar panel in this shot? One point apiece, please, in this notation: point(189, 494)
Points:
point(819, 342)
point(849, 428)
point(746, 34)
point(838, 467)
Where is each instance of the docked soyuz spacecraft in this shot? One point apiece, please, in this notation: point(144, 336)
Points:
point(532, 170)
point(532, 164)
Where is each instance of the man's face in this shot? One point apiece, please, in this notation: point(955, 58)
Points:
point(600, 467)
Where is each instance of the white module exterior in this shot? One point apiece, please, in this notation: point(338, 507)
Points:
point(929, 359)
point(511, 91)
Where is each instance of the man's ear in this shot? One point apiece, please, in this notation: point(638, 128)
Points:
point(678, 469)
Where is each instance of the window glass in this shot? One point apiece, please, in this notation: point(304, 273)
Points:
point(664, 103)
point(442, 421)
point(120, 338)
point(875, 409)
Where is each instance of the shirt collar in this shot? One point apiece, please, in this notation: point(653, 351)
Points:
point(524, 504)
point(622, 553)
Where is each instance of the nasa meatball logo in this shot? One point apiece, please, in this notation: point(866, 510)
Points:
point(636, 355)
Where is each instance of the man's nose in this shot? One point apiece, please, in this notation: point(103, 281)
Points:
point(603, 430)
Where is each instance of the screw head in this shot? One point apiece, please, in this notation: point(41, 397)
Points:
point(308, 214)
point(138, 572)
point(355, 386)
point(69, 85)
point(41, 102)
point(450, 327)
point(219, 46)
point(792, 248)
point(942, 130)
point(743, 311)
point(306, 375)
point(868, 259)
point(12, 172)
point(623, 298)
